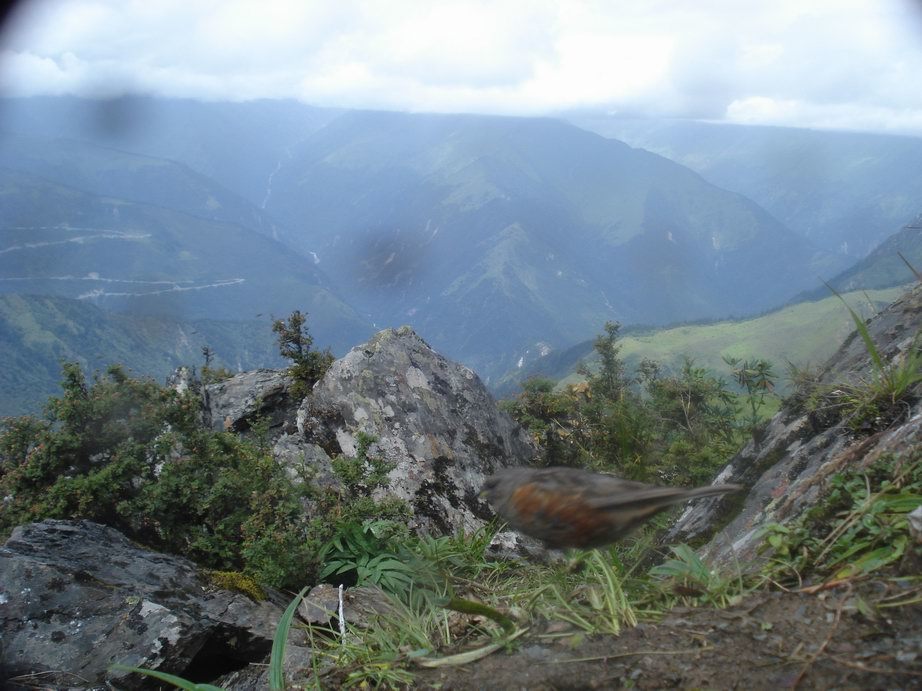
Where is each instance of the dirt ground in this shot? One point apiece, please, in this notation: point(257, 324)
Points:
point(773, 640)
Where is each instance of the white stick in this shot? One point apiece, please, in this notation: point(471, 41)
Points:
point(342, 619)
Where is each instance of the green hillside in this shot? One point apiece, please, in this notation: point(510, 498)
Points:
point(883, 267)
point(805, 333)
point(38, 333)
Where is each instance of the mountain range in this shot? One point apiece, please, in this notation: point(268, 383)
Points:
point(486, 232)
point(498, 239)
point(844, 191)
point(148, 236)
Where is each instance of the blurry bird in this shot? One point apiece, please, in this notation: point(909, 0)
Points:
point(571, 507)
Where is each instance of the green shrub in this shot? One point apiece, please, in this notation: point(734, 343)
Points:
point(656, 427)
point(134, 455)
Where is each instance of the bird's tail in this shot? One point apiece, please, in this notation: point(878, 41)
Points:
point(653, 497)
point(711, 490)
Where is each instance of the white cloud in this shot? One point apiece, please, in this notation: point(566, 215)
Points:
point(846, 63)
point(855, 116)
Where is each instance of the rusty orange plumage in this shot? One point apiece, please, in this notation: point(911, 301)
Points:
point(572, 507)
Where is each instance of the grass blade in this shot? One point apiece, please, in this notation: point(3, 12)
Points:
point(911, 267)
point(178, 682)
point(277, 658)
point(862, 331)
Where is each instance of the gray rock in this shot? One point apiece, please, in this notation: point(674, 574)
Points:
point(182, 380)
point(304, 460)
point(509, 545)
point(77, 597)
point(298, 666)
point(360, 605)
point(233, 404)
point(321, 605)
point(433, 419)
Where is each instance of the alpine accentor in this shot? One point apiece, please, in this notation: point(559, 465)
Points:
point(572, 507)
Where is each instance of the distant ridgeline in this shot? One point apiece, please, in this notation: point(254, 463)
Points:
point(499, 239)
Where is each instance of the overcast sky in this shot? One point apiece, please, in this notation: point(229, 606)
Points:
point(853, 64)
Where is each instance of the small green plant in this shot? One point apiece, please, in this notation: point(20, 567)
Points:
point(364, 552)
point(876, 403)
point(280, 641)
point(363, 472)
point(757, 378)
point(461, 555)
point(804, 381)
point(690, 577)
point(858, 528)
point(212, 375)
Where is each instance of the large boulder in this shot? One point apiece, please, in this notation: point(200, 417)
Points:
point(235, 403)
point(433, 419)
point(788, 468)
point(77, 597)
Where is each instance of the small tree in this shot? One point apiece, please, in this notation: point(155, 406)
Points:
point(609, 382)
point(757, 378)
point(212, 375)
point(295, 342)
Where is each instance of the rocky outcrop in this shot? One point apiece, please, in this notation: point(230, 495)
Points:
point(433, 419)
point(77, 597)
point(789, 467)
point(235, 403)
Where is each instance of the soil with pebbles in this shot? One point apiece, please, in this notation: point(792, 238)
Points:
point(771, 640)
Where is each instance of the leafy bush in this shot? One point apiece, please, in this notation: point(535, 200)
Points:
point(365, 552)
point(134, 455)
point(666, 428)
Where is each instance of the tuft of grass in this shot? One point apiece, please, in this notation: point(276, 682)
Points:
point(592, 600)
point(690, 578)
point(878, 401)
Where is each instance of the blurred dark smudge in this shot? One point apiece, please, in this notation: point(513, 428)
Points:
point(390, 259)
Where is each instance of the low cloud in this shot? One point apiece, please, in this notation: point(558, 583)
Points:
point(844, 64)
